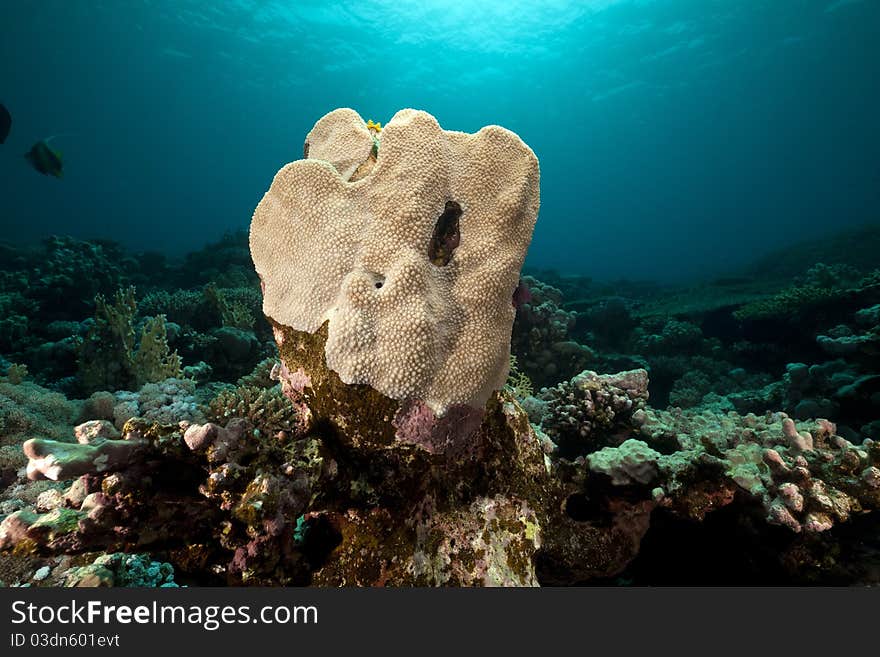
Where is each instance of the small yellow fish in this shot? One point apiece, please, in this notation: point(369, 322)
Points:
point(374, 126)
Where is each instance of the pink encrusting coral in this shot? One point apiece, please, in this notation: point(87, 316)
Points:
point(452, 434)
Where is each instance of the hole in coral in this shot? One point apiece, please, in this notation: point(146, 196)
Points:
point(378, 285)
point(446, 237)
point(7, 477)
point(728, 548)
point(321, 537)
point(306, 150)
point(581, 508)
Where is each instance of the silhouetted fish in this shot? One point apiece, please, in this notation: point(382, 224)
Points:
point(5, 123)
point(521, 295)
point(45, 160)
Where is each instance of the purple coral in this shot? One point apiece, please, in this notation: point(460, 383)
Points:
point(451, 434)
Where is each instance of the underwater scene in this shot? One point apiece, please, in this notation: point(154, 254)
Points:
point(439, 293)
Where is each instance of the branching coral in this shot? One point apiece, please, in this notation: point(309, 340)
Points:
point(16, 373)
point(593, 410)
point(13, 328)
point(542, 336)
point(261, 376)
point(823, 290)
point(266, 409)
point(518, 383)
point(234, 311)
point(108, 358)
point(789, 303)
point(105, 355)
point(180, 306)
point(153, 360)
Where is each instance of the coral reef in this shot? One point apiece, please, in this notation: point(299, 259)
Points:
point(295, 508)
point(459, 494)
point(382, 433)
point(120, 569)
point(266, 408)
point(307, 505)
point(27, 409)
point(805, 476)
point(593, 410)
point(108, 358)
point(51, 322)
point(68, 273)
point(518, 383)
point(542, 336)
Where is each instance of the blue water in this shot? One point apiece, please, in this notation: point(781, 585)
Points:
point(677, 138)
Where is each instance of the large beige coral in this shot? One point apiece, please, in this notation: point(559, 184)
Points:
point(342, 139)
point(413, 315)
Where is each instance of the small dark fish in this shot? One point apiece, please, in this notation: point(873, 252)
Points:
point(45, 160)
point(446, 236)
point(521, 295)
point(5, 123)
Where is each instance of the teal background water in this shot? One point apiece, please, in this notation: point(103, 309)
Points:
point(677, 138)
